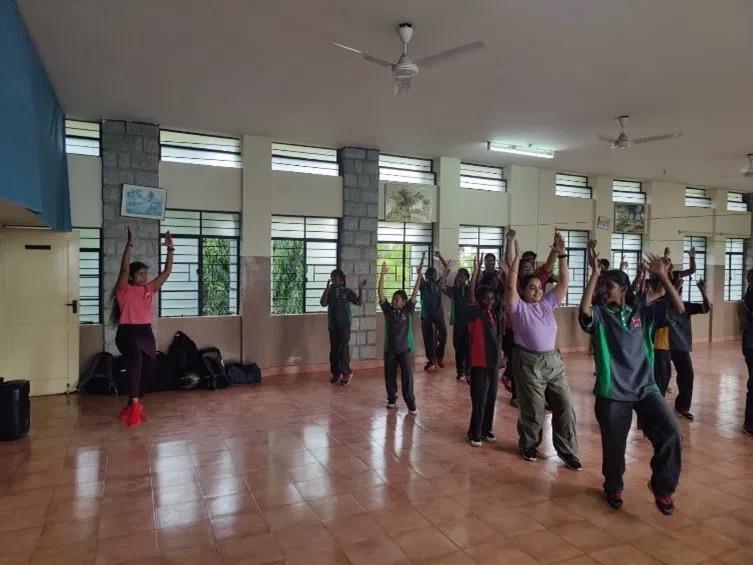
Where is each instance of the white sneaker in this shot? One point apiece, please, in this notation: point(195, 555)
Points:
point(413, 412)
point(391, 405)
point(475, 443)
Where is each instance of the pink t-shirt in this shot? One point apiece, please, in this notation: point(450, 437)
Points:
point(136, 304)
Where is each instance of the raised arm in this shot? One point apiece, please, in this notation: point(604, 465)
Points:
point(125, 262)
point(659, 266)
point(474, 281)
point(380, 286)
point(419, 272)
point(639, 282)
point(690, 271)
point(706, 304)
point(586, 309)
point(361, 286)
point(508, 248)
point(324, 300)
point(445, 264)
point(551, 258)
point(165, 274)
point(511, 291)
point(558, 248)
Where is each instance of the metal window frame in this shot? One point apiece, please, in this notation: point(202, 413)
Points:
point(200, 150)
point(558, 184)
point(570, 251)
point(335, 161)
point(98, 138)
point(692, 201)
point(626, 252)
point(728, 282)
point(305, 240)
point(617, 192)
point(405, 260)
point(479, 246)
point(430, 171)
point(503, 179)
point(200, 237)
point(736, 205)
point(688, 288)
point(100, 266)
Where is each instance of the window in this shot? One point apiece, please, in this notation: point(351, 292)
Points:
point(576, 242)
point(697, 198)
point(304, 253)
point(205, 270)
point(574, 186)
point(89, 263)
point(406, 169)
point(690, 291)
point(733, 269)
point(303, 159)
point(628, 191)
point(401, 245)
point(480, 177)
point(736, 202)
point(475, 241)
point(82, 138)
point(197, 149)
point(626, 247)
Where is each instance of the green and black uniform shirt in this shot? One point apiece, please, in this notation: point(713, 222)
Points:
point(339, 299)
point(431, 300)
point(623, 348)
point(681, 328)
point(398, 328)
point(458, 303)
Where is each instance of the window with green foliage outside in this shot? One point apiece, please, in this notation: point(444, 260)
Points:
point(401, 246)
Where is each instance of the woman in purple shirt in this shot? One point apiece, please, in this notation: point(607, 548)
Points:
point(537, 364)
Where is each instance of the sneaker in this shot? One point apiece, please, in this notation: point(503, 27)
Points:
point(664, 503)
point(429, 366)
point(614, 499)
point(345, 381)
point(460, 377)
point(134, 416)
point(475, 443)
point(514, 402)
point(571, 462)
point(413, 411)
point(748, 430)
point(686, 414)
point(391, 405)
point(440, 363)
point(125, 412)
point(489, 437)
point(335, 379)
point(530, 454)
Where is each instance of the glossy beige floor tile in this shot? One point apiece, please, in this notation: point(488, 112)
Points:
point(297, 471)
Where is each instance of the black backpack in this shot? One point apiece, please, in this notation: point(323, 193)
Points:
point(214, 368)
point(99, 377)
point(243, 374)
point(185, 355)
point(165, 375)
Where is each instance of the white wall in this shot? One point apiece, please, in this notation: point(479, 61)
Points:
point(198, 187)
point(85, 183)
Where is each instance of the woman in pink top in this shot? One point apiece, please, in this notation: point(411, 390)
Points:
point(133, 312)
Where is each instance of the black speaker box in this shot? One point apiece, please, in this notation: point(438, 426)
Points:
point(15, 409)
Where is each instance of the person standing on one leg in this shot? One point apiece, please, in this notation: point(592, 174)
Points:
point(337, 297)
point(537, 364)
point(133, 312)
point(398, 341)
point(433, 326)
point(748, 353)
point(458, 294)
point(621, 337)
point(484, 332)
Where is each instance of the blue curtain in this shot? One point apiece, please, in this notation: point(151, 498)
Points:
point(33, 165)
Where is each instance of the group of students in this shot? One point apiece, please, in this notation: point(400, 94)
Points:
point(637, 329)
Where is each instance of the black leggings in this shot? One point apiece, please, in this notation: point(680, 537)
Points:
point(137, 345)
point(339, 352)
point(435, 338)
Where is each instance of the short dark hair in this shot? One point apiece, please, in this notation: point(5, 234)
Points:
point(621, 279)
point(430, 272)
point(482, 290)
point(530, 254)
point(401, 294)
point(338, 273)
point(464, 271)
point(524, 280)
point(492, 255)
point(604, 263)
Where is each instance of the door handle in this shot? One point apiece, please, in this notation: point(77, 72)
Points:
point(74, 306)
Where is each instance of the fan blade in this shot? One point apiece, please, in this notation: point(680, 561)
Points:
point(466, 49)
point(401, 86)
point(369, 58)
point(607, 138)
point(656, 138)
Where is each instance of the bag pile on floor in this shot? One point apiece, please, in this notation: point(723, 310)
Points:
point(183, 367)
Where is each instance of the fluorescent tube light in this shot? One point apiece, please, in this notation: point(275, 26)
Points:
point(528, 150)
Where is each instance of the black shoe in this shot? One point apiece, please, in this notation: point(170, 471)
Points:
point(748, 430)
point(488, 437)
point(686, 414)
point(664, 503)
point(530, 454)
point(614, 499)
point(571, 462)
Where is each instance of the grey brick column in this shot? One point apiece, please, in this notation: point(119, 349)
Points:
point(130, 155)
point(358, 241)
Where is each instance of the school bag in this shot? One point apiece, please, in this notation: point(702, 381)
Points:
point(165, 375)
point(99, 377)
point(239, 373)
point(214, 368)
point(185, 355)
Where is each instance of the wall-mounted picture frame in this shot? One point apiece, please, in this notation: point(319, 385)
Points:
point(408, 203)
point(603, 223)
point(629, 218)
point(143, 202)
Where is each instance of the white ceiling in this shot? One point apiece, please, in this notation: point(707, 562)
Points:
point(555, 74)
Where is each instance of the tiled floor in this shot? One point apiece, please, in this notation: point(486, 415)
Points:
point(298, 471)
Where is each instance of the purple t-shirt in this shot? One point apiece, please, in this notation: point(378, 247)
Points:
point(533, 325)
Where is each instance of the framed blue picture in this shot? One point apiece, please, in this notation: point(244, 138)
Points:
point(143, 202)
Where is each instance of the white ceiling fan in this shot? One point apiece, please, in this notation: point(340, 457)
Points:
point(746, 171)
point(406, 68)
point(622, 141)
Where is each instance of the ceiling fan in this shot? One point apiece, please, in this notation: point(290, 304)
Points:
point(746, 171)
point(406, 68)
point(622, 141)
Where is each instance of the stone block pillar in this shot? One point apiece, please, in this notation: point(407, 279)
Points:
point(358, 241)
point(130, 155)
